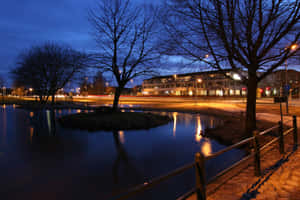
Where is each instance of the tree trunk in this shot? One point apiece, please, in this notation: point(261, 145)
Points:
point(117, 97)
point(251, 104)
point(53, 99)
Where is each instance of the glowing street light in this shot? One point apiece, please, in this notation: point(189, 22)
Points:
point(236, 77)
point(294, 47)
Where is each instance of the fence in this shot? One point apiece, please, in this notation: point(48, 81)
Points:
point(200, 159)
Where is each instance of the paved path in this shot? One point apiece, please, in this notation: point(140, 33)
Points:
point(284, 183)
point(280, 179)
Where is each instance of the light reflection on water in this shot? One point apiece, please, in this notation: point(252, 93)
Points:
point(122, 137)
point(174, 122)
point(198, 135)
point(110, 160)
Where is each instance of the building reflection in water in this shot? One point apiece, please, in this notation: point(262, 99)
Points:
point(174, 123)
point(198, 135)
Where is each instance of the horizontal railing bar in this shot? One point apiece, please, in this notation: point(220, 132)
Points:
point(269, 130)
point(187, 195)
point(229, 148)
point(229, 168)
point(288, 131)
point(269, 143)
point(139, 188)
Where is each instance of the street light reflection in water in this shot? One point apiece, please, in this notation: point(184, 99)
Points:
point(198, 135)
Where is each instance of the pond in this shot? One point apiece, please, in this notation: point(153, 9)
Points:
point(41, 160)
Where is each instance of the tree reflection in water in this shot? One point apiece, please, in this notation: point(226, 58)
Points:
point(122, 157)
point(44, 122)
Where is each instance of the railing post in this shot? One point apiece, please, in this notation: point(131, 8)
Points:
point(257, 154)
point(200, 176)
point(295, 131)
point(281, 141)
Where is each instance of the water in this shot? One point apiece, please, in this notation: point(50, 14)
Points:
point(41, 160)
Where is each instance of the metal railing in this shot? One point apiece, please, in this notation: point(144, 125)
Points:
point(200, 159)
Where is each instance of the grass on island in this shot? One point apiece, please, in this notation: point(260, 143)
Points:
point(108, 120)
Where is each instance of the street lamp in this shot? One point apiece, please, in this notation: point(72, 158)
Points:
point(292, 47)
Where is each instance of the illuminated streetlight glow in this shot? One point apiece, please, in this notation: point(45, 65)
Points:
point(199, 80)
point(294, 47)
point(236, 77)
point(207, 55)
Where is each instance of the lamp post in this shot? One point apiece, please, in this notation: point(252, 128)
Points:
point(286, 88)
point(293, 47)
point(175, 76)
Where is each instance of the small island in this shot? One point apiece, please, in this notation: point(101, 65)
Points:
point(108, 120)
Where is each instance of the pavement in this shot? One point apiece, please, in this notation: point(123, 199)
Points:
point(280, 178)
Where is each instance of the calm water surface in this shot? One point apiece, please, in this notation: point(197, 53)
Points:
point(41, 160)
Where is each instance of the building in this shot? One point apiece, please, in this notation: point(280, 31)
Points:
point(278, 80)
point(215, 83)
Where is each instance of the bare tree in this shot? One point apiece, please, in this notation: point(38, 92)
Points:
point(125, 34)
point(48, 68)
point(249, 37)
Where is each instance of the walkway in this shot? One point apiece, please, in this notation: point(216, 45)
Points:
point(280, 179)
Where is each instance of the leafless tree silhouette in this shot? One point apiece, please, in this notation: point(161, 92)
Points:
point(249, 37)
point(126, 36)
point(48, 68)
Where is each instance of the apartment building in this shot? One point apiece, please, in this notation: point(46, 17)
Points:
point(217, 83)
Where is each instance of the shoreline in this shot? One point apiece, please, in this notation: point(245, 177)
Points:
point(231, 132)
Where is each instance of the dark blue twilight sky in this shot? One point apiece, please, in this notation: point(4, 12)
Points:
point(24, 23)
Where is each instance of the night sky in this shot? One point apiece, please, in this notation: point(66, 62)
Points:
point(24, 23)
